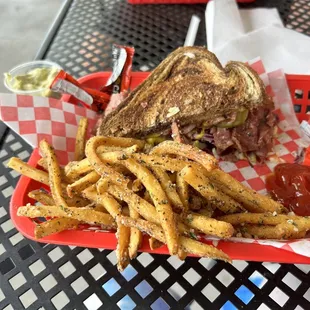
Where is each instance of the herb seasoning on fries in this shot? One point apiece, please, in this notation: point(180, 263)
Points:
point(173, 193)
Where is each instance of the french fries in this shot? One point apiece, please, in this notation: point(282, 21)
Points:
point(85, 215)
point(123, 233)
point(160, 200)
point(42, 162)
point(110, 204)
point(95, 161)
point(54, 226)
point(54, 173)
point(83, 183)
point(185, 150)
point(144, 208)
point(135, 235)
point(209, 226)
point(28, 171)
point(206, 188)
point(42, 197)
point(122, 142)
point(293, 227)
point(169, 188)
point(42, 177)
point(268, 225)
point(250, 199)
point(161, 161)
point(202, 250)
point(172, 194)
point(183, 191)
point(46, 199)
point(264, 219)
point(259, 232)
point(187, 244)
point(108, 149)
point(122, 253)
point(269, 232)
point(182, 254)
point(77, 168)
point(91, 194)
point(79, 152)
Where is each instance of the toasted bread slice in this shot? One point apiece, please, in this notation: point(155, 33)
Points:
point(189, 86)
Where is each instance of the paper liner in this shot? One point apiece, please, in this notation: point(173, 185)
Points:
point(35, 118)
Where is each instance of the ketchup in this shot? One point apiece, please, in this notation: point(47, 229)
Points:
point(290, 185)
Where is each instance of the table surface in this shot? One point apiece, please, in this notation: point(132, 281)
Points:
point(39, 276)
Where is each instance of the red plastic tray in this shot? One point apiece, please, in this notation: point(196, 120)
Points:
point(107, 240)
point(177, 1)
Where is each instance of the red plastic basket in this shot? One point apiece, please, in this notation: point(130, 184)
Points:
point(299, 86)
point(177, 1)
point(107, 240)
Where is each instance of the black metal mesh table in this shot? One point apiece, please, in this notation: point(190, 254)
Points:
point(38, 276)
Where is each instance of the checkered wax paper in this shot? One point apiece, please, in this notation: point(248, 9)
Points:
point(37, 118)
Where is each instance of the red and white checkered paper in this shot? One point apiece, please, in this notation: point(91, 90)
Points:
point(35, 118)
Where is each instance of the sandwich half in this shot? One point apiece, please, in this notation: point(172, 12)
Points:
point(192, 98)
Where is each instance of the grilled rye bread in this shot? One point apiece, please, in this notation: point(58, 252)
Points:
point(190, 87)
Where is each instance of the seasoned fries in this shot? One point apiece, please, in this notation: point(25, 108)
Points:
point(182, 254)
point(42, 197)
point(80, 140)
point(84, 182)
point(187, 244)
point(185, 150)
point(161, 161)
point(122, 254)
point(75, 169)
point(54, 226)
point(183, 191)
point(292, 227)
point(173, 194)
point(135, 235)
point(85, 215)
point(259, 232)
point(209, 226)
point(143, 207)
point(269, 232)
point(95, 161)
point(28, 171)
point(201, 184)
point(264, 219)
point(42, 162)
point(200, 249)
point(160, 201)
point(250, 199)
point(123, 233)
point(54, 173)
point(169, 188)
